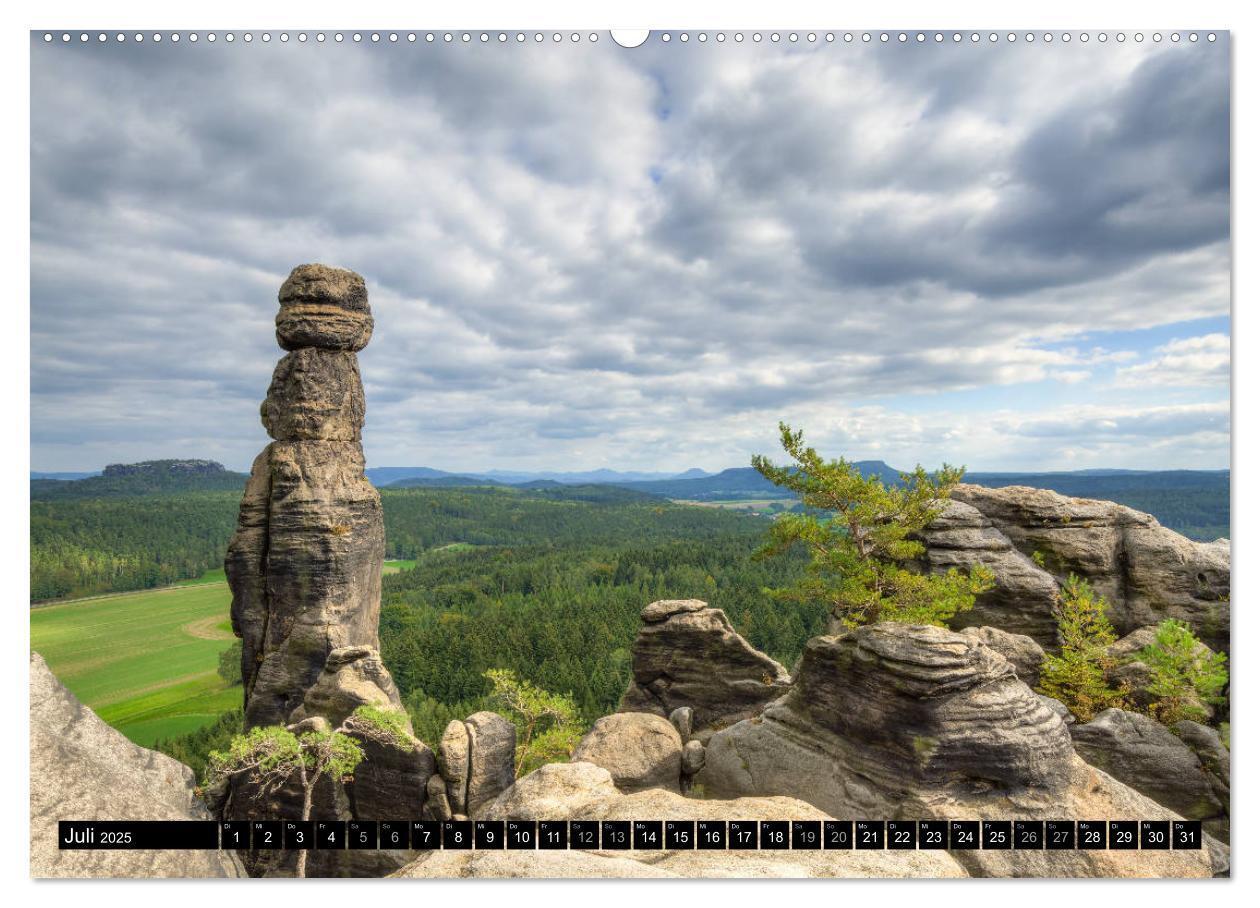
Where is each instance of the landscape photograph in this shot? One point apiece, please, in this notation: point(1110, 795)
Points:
point(575, 455)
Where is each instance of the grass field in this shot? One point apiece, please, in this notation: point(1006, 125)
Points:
point(145, 662)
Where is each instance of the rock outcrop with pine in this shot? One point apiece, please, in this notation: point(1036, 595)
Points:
point(1146, 572)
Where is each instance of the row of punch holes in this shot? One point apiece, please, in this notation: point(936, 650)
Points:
point(664, 37)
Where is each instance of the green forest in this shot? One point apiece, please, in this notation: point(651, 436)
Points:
point(546, 581)
point(564, 616)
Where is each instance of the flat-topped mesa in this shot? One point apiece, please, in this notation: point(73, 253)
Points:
point(305, 562)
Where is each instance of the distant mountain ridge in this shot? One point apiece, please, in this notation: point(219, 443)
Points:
point(383, 476)
point(743, 482)
point(1193, 502)
point(149, 477)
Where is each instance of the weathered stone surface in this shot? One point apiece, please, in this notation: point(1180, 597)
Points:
point(323, 307)
point(353, 676)
point(452, 757)
point(693, 657)
point(692, 758)
point(1144, 755)
point(491, 758)
point(578, 790)
point(1059, 708)
point(640, 750)
point(315, 395)
point(305, 563)
point(908, 722)
point(1023, 652)
point(321, 581)
point(82, 769)
point(393, 779)
point(1213, 756)
point(1147, 572)
point(304, 567)
point(683, 719)
point(1023, 596)
point(667, 608)
point(438, 803)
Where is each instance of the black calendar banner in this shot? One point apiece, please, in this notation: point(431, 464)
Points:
point(637, 835)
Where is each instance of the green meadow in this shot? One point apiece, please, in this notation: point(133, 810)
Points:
point(146, 662)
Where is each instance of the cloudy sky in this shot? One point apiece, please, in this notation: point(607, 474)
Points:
point(582, 256)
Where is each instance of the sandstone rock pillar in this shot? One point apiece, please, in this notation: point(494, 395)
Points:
point(305, 562)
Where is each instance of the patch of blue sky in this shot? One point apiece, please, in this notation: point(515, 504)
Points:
point(1144, 340)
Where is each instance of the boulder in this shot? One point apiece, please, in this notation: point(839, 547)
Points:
point(639, 750)
point(1146, 572)
point(687, 654)
point(692, 758)
point(1023, 652)
point(323, 307)
point(683, 719)
point(1147, 757)
point(81, 769)
point(491, 758)
point(453, 764)
point(477, 758)
point(917, 722)
point(1212, 753)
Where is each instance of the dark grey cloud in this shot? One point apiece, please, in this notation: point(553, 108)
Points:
point(581, 255)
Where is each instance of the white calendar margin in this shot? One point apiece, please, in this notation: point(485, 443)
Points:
point(1075, 15)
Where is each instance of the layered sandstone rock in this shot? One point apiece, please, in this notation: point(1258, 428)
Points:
point(1022, 651)
point(1147, 572)
point(914, 722)
point(305, 562)
point(304, 567)
point(1023, 596)
point(1146, 756)
point(688, 655)
point(81, 769)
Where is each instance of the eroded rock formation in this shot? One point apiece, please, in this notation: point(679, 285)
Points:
point(304, 567)
point(81, 769)
point(687, 654)
point(1146, 572)
point(1151, 759)
point(904, 721)
point(305, 562)
point(477, 759)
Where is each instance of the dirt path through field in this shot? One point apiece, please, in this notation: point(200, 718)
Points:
point(208, 629)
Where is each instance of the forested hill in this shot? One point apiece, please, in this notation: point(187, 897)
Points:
point(150, 477)
point(85, 545)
